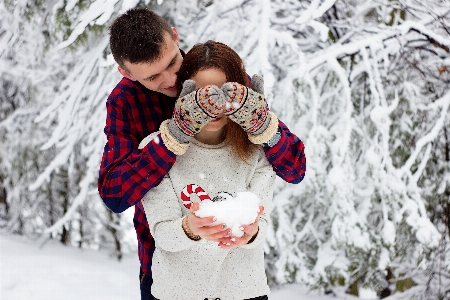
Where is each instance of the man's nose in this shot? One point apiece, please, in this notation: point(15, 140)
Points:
point(170, 78)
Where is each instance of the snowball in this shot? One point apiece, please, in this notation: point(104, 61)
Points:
point(234, 212)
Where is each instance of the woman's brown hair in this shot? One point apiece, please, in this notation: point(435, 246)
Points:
point(215, 55)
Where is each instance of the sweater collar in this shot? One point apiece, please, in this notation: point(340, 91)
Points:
point(200, 144)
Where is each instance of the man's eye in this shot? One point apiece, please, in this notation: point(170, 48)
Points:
point(152, 78)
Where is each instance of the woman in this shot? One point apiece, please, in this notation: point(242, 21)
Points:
point(188, 263)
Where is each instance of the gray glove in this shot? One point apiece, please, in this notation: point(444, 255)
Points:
point(194, 109)
point(247, 107)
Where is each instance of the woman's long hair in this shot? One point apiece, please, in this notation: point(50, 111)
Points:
point(219, 56)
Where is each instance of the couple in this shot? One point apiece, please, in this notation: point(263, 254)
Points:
point(218, 134)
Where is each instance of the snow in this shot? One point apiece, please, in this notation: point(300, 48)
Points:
point(233, 211)
point(98, 13)
point(58, 272)
point(64, 272)
point(372, 127)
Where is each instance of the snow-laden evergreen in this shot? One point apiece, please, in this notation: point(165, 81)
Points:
point(364, 84)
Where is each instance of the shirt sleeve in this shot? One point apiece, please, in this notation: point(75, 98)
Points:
point(262, 184)
point(127, 173)
point(287, 156)
point(164, 215)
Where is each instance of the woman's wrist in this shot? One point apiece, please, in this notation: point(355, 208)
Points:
point(253, 237)
point(187, 230)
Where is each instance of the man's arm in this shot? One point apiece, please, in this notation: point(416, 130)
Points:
point(287, 156)
point(127, 173)
point(248, 108)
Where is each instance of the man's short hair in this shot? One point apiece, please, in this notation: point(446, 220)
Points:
point(137, 36)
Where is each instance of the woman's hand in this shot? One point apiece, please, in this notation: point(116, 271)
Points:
point(201, 226)
point(250, 233)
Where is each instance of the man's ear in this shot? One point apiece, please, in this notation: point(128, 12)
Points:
point(175, 36)
point(126, 74)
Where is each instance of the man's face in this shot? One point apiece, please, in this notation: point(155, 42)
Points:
point(160, 75)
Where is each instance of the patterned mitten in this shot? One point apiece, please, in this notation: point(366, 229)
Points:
point(248, 108)
point(193, 110)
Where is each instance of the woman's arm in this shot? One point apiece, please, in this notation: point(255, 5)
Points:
point(165, 217)
point(172, 231)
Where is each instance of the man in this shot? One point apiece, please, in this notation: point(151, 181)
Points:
point(146, 50)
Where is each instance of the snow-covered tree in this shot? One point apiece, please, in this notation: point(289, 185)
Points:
point(367, 117)
point(38, 79)
point(30, 74)
point(364, 84)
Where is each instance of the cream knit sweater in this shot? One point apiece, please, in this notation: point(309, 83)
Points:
point(187, 269)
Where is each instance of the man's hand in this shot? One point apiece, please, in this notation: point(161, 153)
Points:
point(201, 226)
point(250, 232)
point(194, 109)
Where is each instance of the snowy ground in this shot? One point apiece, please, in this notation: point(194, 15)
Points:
point(58, 272)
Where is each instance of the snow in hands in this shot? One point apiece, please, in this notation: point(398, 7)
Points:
point(233, 211)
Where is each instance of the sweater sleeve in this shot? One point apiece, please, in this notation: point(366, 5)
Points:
point(262, 184)
point(288, 156)
point(127, 173)
point(164, 216)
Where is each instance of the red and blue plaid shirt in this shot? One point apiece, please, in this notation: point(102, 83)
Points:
point(127, 173)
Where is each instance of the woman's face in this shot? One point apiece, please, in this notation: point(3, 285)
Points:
point(212, 77)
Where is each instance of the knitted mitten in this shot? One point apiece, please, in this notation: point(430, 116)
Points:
point(247, 107)
point(193, 110)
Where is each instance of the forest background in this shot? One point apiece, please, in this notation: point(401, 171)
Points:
point(364, 84)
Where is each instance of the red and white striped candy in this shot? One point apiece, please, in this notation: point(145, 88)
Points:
point(193, 189)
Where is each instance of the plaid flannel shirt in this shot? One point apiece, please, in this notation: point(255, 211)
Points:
point(127, 173)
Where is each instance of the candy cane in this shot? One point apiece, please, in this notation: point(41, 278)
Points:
point(193, 189)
